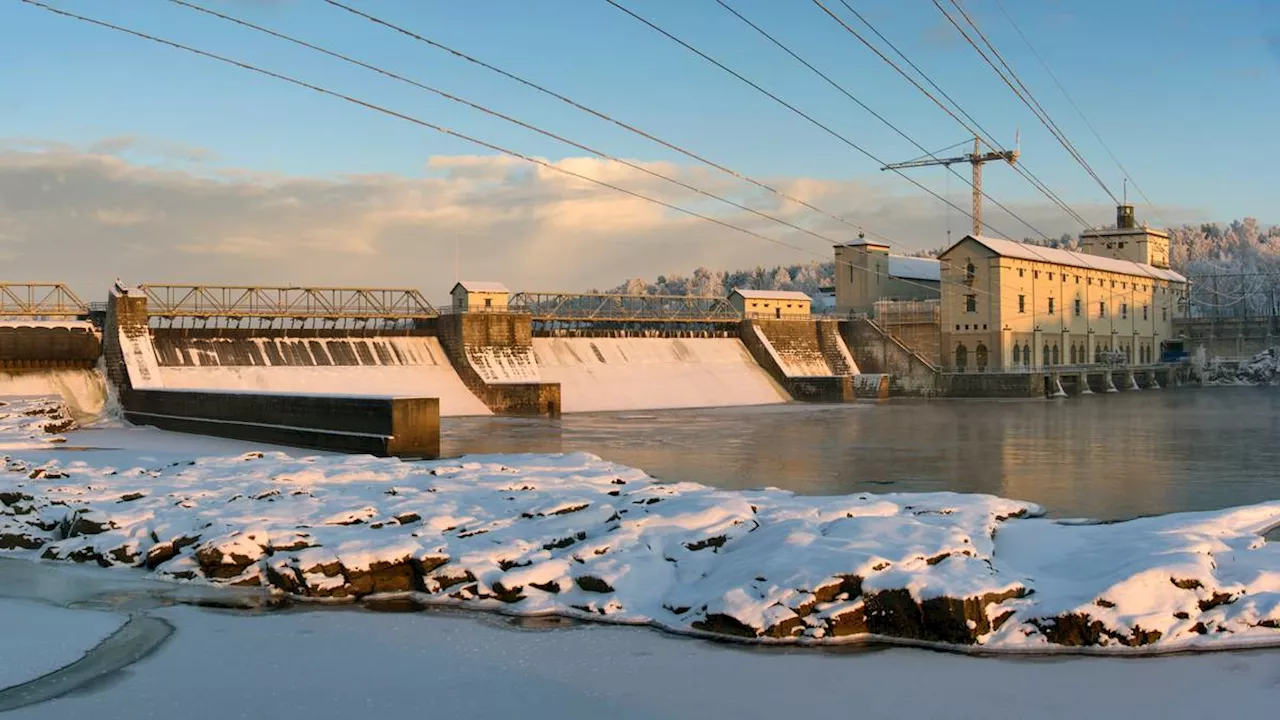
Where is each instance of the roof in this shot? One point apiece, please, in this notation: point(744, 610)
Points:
point(772, 294)
point(861, 242)
point(481, 287)
point(915, 268)
point(1036, 253)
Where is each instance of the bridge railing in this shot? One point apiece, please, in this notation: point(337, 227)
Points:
point(298, 303)
point(569, 307)
point(33, 300)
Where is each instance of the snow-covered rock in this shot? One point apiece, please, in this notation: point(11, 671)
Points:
point(578, 536)
point(1263, 369)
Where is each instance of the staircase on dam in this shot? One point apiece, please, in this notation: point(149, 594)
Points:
point(808, 357)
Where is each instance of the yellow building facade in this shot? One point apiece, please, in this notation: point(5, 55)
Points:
point(478, 296)
point(1009, 305)
point(771, 303)
point(866, 273)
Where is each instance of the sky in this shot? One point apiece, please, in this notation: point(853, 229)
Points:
point(123, 157)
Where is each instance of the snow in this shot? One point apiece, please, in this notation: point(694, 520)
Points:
point(1262, 369)
point(499, 365)
point(37, 639)
point(574, 535)
point(771, 294)
point(915, 268)
point(1025, 251)
point(427, 373)
point(342, 664)
point(140, 360)
point(606, 374)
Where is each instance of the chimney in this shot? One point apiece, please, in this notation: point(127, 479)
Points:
point(1124, 217)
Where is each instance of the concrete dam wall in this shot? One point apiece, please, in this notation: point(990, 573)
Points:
point(379, 365)
point(603, 374)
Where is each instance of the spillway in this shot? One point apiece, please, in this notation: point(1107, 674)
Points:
point(84, 391)
point(603, 374)
point(414, 365)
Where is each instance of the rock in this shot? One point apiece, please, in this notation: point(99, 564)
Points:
point(84, 522)
point(20, 541)
point(506, 594)
point(161, 553)
point(722, 624)
point(849, 623)
point(1218, 598)
point(284, 576)
point(785, 628)
point(895, 613)
point(552, 587)
point(409, 517)
point(10, 498)
point(849, 585)
point(711, 542)
point(428, 563)
point(590, 583)
point(382, 577)
point(125, 554)
point(217, 565)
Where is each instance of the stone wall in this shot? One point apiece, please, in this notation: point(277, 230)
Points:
point(910, 374)
point(797, 336)
point(923, 338)
point(128, 314)
point(992, 385)
point(25, 347)
point(401, 427)
point(464, 335)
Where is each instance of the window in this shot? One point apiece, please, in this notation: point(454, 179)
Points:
point(1035, 275)
point(1124, 286)
point(1072, 353)
point(1026, 354)
point(1050, 276)
point(1102, 308)
point(1077, 279)
point(488, 302)
point(971, 303)
point(1144, 312)
point(1090, 281)
point(981, 353)
point(1044, 359)
point(1124, 311)
point(1020, 272)
point(1017, 354)
point(962, 356)
point(957, 328)
point(1113, 283)
point(1164, 313)
point(1050, 306)
point(969, 272)
point(1022, 303)
point(1056, 357)
point(1078, 303)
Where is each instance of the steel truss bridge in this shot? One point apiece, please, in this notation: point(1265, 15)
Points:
point(32, 300)
point(610, 308)
point(286, 303)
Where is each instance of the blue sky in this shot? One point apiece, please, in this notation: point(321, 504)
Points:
point(1183, 91)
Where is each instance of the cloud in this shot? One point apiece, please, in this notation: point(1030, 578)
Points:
point(85, 216)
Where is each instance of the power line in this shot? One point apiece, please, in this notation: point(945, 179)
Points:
point(792, 108)
point(599, 114)
point(417, 121)
point(1079, 112)
point(971, 125)
point(875, 114)
point(1021, 91)
point(500, 115)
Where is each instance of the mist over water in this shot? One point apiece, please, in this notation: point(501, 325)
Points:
point(1106, 457)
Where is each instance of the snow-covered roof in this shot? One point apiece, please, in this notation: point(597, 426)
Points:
point(481, 286)
point(1037, 253)
point(915, 268)
point(772, 294)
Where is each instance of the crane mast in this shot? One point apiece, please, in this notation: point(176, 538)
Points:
point(977, 158)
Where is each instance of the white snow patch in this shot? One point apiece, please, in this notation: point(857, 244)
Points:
point(37, 639)
point(602, 374)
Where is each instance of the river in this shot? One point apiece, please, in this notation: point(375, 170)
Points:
point(1107, 457)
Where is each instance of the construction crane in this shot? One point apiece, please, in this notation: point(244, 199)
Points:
point(976, 159)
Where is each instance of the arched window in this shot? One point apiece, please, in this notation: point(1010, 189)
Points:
point(962, 356)
point(969, 272)
point(1097, 353)
point(1017, 354)
point(981, 353)
point(1056, 359)
point(1026, 353)
point(1073, 354)
point(1044, 359)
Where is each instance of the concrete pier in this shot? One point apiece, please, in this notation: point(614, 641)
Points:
point(808, 358)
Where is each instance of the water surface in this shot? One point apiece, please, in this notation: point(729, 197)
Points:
point(1103, 456)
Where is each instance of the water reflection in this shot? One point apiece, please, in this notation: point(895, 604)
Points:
point(1105, 456)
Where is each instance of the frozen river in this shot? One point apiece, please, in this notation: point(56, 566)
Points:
point(1104, 456)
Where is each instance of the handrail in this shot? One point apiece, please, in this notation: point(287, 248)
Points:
point(40, 299)
point(611, 307)
point(248, 301)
